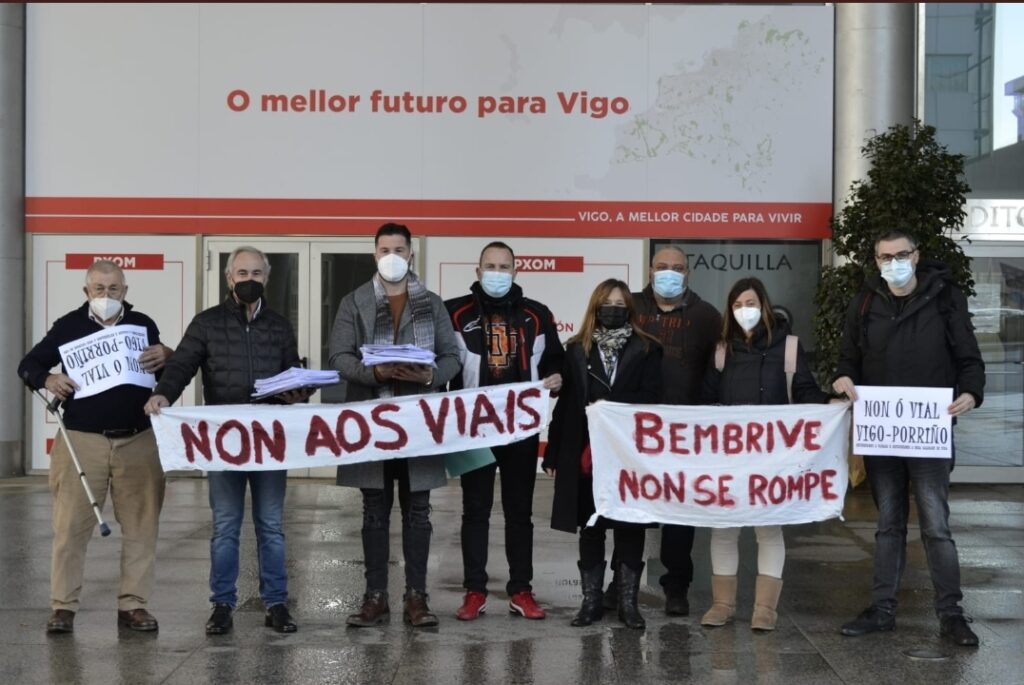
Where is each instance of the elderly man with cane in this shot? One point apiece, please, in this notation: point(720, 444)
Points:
point(111, 436)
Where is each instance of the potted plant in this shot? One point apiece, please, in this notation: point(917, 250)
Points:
point(914, 185)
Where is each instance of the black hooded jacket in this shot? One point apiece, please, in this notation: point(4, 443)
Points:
point(925, 339)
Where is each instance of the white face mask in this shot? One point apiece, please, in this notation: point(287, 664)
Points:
point(747, 317)
point(392, 268)
point(105, 308)
point(898, 272)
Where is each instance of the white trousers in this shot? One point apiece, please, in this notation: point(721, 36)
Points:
point(725, 552)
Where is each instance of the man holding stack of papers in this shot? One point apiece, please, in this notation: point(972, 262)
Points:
point(391, 311)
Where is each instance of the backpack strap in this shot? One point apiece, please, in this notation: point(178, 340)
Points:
point(790, 364)
point(720, 356)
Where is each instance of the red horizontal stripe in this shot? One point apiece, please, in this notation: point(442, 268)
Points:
point(154, 262)
point(428, 217)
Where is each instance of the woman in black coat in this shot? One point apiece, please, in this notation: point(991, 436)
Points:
point(610, 359)
point(750, 368)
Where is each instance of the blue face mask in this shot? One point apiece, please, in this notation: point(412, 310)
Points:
point(898, 272)
point(668, 283)
point(496, 283)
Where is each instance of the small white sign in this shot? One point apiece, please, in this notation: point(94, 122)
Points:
point(106, 359)
point(903, 422)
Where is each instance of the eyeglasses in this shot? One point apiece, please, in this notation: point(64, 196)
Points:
point(887, 258)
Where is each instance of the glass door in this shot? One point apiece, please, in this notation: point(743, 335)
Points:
point(990, 439)
point(308, 279)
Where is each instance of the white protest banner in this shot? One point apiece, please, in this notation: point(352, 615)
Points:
point(259, 437)
point(719, 467)
point(903, 422)
point(106, 359)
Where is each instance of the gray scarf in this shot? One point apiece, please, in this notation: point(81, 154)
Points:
point(422, 318)
point(610, 342)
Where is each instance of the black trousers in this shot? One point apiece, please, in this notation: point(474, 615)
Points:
point(676, 557)
point(518, 465)
point(628, 539)
point(416, 529)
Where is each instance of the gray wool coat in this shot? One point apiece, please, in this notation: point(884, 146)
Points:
point(353, 327)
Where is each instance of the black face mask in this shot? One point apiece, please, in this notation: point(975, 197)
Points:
point(612, 317)
point(248, 291)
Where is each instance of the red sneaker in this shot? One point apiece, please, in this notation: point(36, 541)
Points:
point(473, 604)
point(524, 604)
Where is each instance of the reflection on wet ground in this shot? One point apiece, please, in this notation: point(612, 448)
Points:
point(827, 582)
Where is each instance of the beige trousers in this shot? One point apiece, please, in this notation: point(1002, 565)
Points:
point(130, 469)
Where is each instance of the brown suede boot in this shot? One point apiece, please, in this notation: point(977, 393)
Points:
point(766, 598)
point(417, 613)
point(373, 612)
point(723, 608)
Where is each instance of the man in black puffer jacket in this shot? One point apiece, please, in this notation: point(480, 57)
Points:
point(234, 344)
point(912, 330)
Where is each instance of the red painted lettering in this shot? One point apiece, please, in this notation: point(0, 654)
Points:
point(812, 429)
point(244, 444)
point(320, 435)
point(757, 485)
point(777, 490)
point(702, 432)
point(628, 481)
point(675, 488)
point(275, 446)
point(754, 432)
point(436, 424)
point(698, 487)
point(195, 442)
point(826, 484)
point(647, 424)
point(401, 437)
point(524, 406)
point(350, 415)
point(676, 438)
point(460, 415)
point(650, 488)
point(484, 413)
point(732, 438)
point(789, 438)
point(724, 499)
point(510, 412)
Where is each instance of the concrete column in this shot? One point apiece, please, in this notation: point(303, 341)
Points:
point(13, 304)
point(875, 83)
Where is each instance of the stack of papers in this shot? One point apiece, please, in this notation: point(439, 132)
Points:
point(293, 379)
point(401, 354)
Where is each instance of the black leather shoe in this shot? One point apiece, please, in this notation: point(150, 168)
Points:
point(61, 621)
point(871, 620)
point(137, 619)
point(676, 603)
point(279, 619)
point(955, 629)
point(220, 620)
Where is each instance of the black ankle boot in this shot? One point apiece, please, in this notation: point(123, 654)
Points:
point(591, 609)
point(629, 591)
point(611, 593)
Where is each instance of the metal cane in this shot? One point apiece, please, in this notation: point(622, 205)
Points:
point(54, 408)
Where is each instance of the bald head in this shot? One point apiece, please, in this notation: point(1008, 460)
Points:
point(106, 268)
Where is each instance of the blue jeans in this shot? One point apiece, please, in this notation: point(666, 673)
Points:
point(227, 500)
point(891, 479)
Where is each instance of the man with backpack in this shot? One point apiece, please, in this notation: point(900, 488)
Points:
point(911, 328)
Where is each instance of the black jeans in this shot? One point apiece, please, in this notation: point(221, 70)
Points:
point(676, 550)
point(518, 464)
point(416, 529)
point(891, 479)
point(629, 545)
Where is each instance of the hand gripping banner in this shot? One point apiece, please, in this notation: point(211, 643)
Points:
point(719, 467)
point(261, 437)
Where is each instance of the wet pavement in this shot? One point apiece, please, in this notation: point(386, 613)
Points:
point(827, 582)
